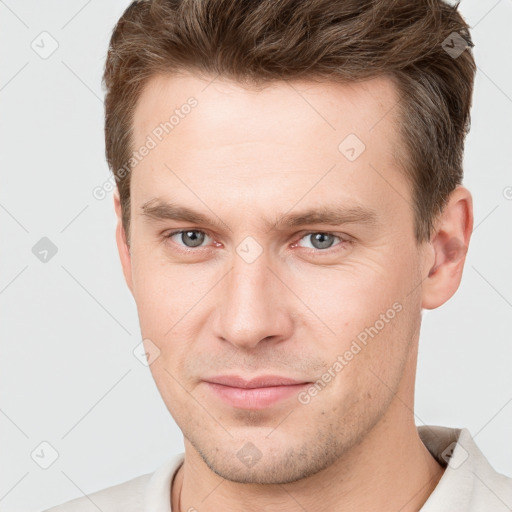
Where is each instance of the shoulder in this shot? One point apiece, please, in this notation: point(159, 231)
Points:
point(491, 490)
point(125, 497)
point(145, 492)
point(469, 482)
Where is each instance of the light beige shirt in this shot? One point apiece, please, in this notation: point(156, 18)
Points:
point(469, 483)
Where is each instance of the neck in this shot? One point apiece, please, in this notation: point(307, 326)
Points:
point(390, 470)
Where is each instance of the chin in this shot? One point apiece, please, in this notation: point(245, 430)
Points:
point(267, 461)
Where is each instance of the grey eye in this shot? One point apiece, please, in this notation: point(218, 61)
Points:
point(321, 240)
point(191, 238)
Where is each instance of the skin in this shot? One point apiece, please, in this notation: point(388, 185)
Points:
point(243, 156)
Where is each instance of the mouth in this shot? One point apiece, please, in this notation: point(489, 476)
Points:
point(254, 394)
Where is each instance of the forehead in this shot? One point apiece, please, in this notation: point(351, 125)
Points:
point(217, 133)
point(307, 108)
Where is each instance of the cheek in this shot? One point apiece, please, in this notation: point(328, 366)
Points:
point(344, 301)
point(164, 292)
point(365, 368)
point(365, 320)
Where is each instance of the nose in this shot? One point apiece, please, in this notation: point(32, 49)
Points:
point(252, 305)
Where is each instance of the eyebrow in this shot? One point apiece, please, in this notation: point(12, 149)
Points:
point(158, 209)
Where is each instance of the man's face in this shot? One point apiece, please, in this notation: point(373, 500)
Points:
point(248, 294)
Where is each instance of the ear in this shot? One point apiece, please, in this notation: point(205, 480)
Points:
point(122, 246)
point(449, 243)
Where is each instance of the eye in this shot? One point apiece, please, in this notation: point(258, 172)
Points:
point(321, 240)
point(194, 238)
point(189, 237)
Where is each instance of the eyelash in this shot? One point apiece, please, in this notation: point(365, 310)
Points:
point(329, 250)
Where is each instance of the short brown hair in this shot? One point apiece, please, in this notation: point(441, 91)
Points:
point(260, 41)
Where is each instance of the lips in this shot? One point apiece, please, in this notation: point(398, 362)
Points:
point(263, 381)
point(257, 393)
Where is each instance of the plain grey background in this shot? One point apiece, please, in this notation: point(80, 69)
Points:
point(69, 325)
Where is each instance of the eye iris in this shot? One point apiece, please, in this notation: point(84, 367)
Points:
point(319, 240)
point(195, 240)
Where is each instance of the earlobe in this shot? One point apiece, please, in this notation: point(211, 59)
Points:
point(122, 245)
point(450, 244)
